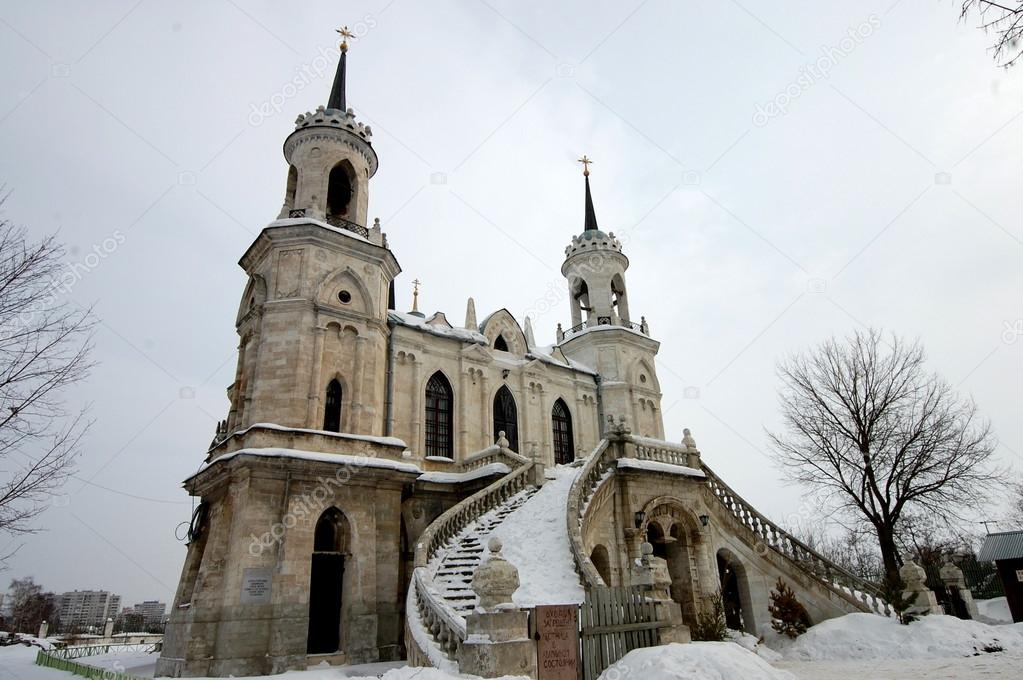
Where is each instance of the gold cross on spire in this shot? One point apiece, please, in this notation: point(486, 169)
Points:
point(585, 160)
point(415, 295)
point(345, 35)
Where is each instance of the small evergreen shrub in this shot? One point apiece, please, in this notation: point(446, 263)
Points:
point(788, 615)
point(710, 625)
point(893, 590)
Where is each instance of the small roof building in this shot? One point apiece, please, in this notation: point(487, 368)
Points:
point(1005, 549)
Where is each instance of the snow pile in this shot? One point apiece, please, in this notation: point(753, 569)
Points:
point(694, 661)
point(9, 639)
point(409, 672)
point(866, 636)
point(535, 539)
point(995, 610)
point(753, 644)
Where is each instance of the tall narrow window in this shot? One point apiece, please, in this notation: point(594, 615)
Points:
point(438, 417)
point(506, 417)
point(332, 407)
point(561, 421)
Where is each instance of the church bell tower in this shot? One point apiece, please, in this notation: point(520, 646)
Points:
point(313, 318)
point(603, 334)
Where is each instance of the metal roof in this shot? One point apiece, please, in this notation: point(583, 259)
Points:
point(1007, 545)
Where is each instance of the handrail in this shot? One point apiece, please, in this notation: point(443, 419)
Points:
point(458, 516)
point(859, 591)
point(443, 623)
point(492, 454)
point(582, 489)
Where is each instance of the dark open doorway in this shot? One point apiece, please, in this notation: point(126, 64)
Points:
point(326, 583)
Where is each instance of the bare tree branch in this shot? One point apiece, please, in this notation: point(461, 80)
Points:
point(877, 436)
point(45, 344)
point(1003, 19)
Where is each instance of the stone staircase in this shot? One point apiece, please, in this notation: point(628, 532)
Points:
point(447, 555)
point(453, 570)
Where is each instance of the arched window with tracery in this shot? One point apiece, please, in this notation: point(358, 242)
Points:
point(561, 424)
point(332, 407)
point(506, 417)
point(439, 410)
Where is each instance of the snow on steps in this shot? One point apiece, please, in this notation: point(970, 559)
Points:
point(452, 569)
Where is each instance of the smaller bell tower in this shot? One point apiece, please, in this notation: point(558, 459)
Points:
point(603, 334)
point(331, 160)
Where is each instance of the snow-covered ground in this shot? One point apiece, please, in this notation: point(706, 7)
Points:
point(535, 539)
point(853, 646)
point(995, 610)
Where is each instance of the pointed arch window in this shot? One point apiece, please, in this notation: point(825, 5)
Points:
point(439, 417)
point(561, 422)
point(332, 407)
point(506, 417)
point(339, 191)
point(326, 582)
point(500, 343)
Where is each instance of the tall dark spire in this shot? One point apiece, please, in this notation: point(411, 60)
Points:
point(337, 92)
point(591, 215)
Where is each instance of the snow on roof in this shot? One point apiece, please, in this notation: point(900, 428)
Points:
point(354, 461)
point(292, 221)
point(457, 477)
point(387, 441)
point(603, 327)
point(545, 354)
point(412, 321)
point(657, 466)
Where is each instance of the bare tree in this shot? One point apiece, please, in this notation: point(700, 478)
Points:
point(30, 606)
point(44, 351)
point(877, 436)
point(1005, 20)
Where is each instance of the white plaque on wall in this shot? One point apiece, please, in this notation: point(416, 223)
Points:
point(256, 585)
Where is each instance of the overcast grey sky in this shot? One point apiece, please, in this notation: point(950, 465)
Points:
point(764, 204)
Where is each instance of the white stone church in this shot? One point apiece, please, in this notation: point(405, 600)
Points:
point(368, 453)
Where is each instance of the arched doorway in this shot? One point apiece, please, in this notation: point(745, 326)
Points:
point(675, 537)
point(561, 424)
point(506, 417)
point(735, 592)
point(326, 582)
point(602, 562)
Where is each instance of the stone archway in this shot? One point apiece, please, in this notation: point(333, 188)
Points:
point(735, 592)
point(674, 534)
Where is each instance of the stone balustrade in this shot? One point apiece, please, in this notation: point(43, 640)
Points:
point(445, 625)
point(863, 594)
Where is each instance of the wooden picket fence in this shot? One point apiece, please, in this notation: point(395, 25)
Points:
point(613, 622)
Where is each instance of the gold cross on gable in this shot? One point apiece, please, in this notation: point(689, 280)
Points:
point(415, 295)
point(415, 285)
point(585, 160)
point(345, 35)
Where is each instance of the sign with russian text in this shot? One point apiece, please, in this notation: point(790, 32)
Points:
point(256, 586)
point(557, 646)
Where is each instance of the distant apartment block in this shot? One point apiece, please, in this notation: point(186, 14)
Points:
point(152, 612)
point(84, 609)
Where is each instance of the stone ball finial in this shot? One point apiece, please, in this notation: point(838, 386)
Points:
point(496, 579)
point(687, 439)
point(646, 549)
point(502, 440)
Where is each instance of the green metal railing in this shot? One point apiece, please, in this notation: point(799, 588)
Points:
point(50, 659)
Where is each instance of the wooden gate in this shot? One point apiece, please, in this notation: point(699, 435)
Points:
point(613, 622)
